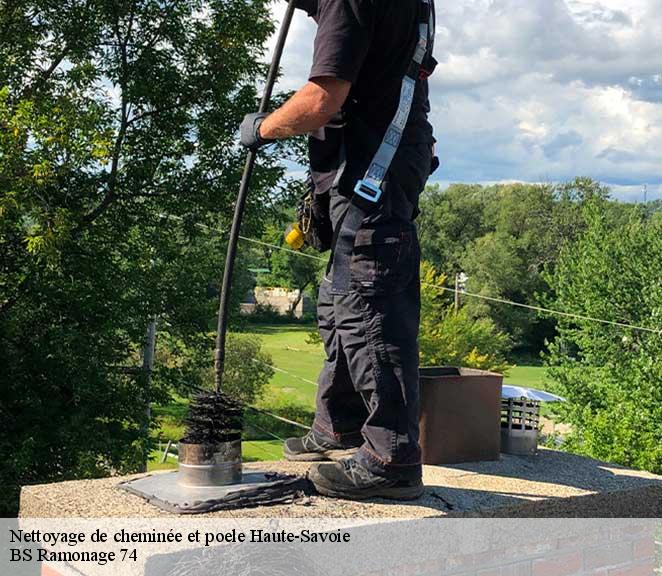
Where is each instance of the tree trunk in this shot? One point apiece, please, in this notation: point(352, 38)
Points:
point(294, 305)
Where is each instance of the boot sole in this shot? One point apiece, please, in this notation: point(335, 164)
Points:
point(328, 456)
point(388, 493)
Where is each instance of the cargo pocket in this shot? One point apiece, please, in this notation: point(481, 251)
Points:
point(383, 260)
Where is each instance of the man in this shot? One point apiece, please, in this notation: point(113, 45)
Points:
point(369, 301)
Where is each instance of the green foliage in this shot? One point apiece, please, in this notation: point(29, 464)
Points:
point(455, 338)
point(612, 376)
point(290, 270)
point(503, 237)
point(450, 220)
point(267, 314)
point(314, 338)
point(248, 368)
point(118, 172)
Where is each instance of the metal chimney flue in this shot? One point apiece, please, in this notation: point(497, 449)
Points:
point(207, 465)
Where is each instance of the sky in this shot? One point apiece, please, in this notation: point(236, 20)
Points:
point(538, 90)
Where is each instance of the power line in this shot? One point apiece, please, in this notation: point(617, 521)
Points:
point(280, 418)
point(286, 372)
point(547, 310)
point(272, 434)
point(490, 298)
point(282, 248)
point(199, 225)
point(470, 294)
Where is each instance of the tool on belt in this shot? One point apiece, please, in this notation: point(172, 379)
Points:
point(368, 191)
point(313, 226)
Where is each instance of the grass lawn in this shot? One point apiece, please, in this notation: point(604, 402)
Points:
point(290, 352)
point(528, 376)
point(287, 345)
point(291, 395)
point(252, 451)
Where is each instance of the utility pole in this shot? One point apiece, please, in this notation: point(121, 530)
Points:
point(458, 301)
point(148, 367)
point(645, 193)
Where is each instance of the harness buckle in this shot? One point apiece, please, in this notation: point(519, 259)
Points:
point(368, 191)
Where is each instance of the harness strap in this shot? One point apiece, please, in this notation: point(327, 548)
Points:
point(368, 191)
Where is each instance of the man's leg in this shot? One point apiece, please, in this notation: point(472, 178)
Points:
point(377, 328)
point(341, 411)
point(391, 386)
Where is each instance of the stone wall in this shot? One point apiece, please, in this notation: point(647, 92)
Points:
point(280, 299)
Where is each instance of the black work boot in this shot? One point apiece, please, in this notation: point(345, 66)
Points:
point(313, 447)
point(348, 479)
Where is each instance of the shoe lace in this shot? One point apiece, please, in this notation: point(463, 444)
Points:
point(310, 443)
point(356, 472)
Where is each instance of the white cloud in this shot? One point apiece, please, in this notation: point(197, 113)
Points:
point(540, 90)
point(298, 53)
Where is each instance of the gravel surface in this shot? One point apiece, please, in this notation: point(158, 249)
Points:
point(551, 484)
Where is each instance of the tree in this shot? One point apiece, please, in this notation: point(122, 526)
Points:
point(611, 376)
point(503, 237)
point(118, 172)
point(450, 220)
point(288, 270)
point(248, 367)
point(450, 337)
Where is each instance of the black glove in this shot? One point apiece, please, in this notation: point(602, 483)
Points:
point(250, 131)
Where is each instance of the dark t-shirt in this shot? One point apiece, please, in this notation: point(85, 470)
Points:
point(370, 43)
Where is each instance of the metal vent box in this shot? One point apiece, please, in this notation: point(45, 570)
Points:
point(460, 417)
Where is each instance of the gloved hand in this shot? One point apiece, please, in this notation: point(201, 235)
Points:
point(250, 131)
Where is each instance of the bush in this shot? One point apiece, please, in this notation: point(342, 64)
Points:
point(314, 338)
point(455, 338)
point(267, 314)
point(612, 376)
point(247, 368)
point(184, 369)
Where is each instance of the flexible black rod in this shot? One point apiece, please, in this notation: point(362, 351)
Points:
point(224, 306)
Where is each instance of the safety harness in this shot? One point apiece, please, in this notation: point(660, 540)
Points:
point(368, 191)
